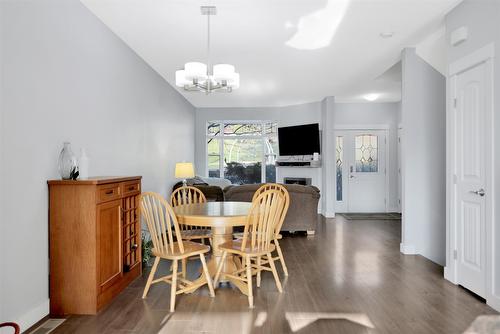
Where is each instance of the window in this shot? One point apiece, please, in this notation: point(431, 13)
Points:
point(238, 151)
point(366, 148)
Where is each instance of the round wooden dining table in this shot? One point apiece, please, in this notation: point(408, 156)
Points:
point(221, 217)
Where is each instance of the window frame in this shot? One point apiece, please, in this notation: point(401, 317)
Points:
point(221, 136)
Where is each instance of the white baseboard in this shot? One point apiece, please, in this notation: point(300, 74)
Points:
point(407, 249)
point(393, 209)
point(329, 214)
point(494, 302)
point(33, 316)
point(449, 276)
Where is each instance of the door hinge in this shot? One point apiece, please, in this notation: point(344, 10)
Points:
point(455, 254)
point(455, 178)
point(454, 102)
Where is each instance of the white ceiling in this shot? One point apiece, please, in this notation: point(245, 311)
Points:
point(286, 51)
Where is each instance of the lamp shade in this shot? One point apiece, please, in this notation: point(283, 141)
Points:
point(235, 82)
point(223, 72)
point(195, 70)
point(180, 78)
point(184, 170)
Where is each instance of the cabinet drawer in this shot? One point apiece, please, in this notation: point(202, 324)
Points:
point(108, 192)
point(131, 188)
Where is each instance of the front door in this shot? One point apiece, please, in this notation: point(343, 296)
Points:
point(361, 171)
point(471, 107)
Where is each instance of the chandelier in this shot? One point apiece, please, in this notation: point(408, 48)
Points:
point(201, 77)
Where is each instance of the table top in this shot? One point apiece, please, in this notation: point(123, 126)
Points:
point(213, 213)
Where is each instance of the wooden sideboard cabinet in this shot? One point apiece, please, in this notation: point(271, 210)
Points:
point(95, 241)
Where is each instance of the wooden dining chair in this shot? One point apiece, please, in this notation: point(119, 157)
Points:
point(190, 195)
point(168, 244)
point(15, 327)
point(277, 235)
point(256, 243)
point(277, 232)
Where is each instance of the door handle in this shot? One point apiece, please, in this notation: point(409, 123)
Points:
point(479, 192)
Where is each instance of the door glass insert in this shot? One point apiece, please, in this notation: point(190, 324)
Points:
point(366, 148)
point(339, 163)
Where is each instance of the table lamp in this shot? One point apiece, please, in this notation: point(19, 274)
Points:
point(184, 170)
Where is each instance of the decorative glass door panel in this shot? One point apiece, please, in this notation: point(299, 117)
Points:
point(361, 171)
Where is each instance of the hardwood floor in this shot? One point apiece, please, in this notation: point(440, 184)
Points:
point(348, 270)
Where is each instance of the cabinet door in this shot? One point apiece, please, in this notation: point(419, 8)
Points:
point(109, 252)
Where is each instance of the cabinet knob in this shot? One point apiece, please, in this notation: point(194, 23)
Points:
point(134, 246)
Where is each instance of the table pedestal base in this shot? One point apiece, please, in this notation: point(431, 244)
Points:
point(232, 263)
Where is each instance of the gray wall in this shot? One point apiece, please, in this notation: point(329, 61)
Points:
point(482, 18)
point(68, 77)
point(328, 156)
point(423, 112)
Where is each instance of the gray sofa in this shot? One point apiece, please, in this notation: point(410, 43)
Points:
point(303, 211)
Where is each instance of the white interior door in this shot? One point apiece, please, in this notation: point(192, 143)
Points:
point(362, 171)
point(470, 176)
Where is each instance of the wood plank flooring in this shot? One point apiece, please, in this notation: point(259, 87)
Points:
point(349, 278)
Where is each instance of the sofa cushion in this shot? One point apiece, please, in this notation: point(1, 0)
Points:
point(303, 211)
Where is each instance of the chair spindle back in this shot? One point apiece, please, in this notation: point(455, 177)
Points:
point(187, 195)
point(162, 223)
point(282, 189)
point(262, 219)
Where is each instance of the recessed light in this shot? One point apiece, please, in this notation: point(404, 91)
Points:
point(371, 97)
point(387, 34)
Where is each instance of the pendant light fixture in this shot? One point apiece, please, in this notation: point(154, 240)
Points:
point(202, 77)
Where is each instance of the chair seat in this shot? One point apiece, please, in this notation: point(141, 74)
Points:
point(239, 235)
point(190, 248)
point(234, 246)
point(195, 234)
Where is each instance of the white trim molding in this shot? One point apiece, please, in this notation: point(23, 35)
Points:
point(407, 249)
point(483, 54)
point(34, 315)
point(328, 214)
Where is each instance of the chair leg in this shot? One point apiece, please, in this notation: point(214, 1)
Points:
point(275, 273)
point(207, 275)
point(173, 289)
point(249, 281)
point(184, 267)
point(282, 259)
point(150, 277)
point(258, 271)
point(219, 269)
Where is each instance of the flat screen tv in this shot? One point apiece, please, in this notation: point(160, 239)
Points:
point(299, 140)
